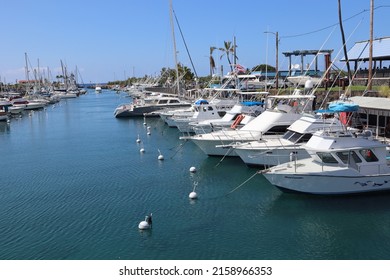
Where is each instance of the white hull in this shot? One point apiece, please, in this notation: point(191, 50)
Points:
point(270, 156)
point(329, 185)
point(31, 106)
point(220, 143)
point(339, 163)
point(301, 80)
point(14, 110)
point(3, 116)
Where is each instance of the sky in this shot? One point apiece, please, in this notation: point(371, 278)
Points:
point(117, 39)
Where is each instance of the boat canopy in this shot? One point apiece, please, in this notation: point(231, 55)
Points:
point(201, 101)
point(343, 107)
point(252, 103)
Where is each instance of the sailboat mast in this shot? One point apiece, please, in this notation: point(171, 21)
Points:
point(174, 46)
point(27, 75)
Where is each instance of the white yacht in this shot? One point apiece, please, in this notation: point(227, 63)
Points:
point(284, 110)
point(28, 104)
point(147, 106)
point(339, 163)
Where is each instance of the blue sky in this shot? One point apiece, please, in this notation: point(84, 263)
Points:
point(115, 39)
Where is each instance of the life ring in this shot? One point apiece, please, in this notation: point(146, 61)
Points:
point(238, 119)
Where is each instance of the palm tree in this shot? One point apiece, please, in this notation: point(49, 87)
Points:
point(212, 62)
point(228, 49)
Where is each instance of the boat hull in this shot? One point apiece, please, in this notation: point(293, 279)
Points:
point(270, 156)
point(329, 185)
point(130, 110)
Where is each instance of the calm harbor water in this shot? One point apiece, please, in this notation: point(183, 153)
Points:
point(74, 185)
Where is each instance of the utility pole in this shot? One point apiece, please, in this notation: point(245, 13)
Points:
point(277, 58)
point(369, 84)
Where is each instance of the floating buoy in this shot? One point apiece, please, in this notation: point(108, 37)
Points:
point(193, 195)
point(148, 128)
point(138, 140)
point(143, 225)
point(193, 169)
point(160, 157)
point(142, 150)
point(147, 223)
point(148, 133)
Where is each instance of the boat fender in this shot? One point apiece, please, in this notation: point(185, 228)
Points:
point(237, 121)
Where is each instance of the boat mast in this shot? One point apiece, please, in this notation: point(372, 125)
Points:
point(174, 46)
point(27, 75)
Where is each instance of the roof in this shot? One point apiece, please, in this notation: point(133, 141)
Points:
point(380, 50)
point(307, 52)
point(373, 105)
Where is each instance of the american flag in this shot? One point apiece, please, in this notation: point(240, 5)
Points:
point(240, 69)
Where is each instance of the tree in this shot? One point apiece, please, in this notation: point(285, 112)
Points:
point(212, 62)
point(228, 49)
point(263, 68)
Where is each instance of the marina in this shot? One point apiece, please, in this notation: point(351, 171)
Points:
point(75, 186)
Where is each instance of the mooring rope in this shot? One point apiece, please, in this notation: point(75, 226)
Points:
point(243, 183)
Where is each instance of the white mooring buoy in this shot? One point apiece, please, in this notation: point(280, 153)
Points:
point(143, 225)
point(160, 157)
point(142, 150)
point(147, 223)
point(138, 139)
point(193, 169)
point(193, 195)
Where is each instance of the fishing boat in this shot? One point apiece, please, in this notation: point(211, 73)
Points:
point(276, 150)
point(244, 111)
point(339, 164)
point(271, 151)
point(282, 111)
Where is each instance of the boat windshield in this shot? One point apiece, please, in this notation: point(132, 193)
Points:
point(368, 155)
point(348, 156)
point(326, 157)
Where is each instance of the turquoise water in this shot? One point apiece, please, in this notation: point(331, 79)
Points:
point(75, 186)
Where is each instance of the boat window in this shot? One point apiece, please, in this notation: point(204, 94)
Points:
point(163, 101)
point(174, 101)
point(295, 137)
point(306, 137)
point(347, 156)
point(326, 157)
point(288, 134)
point(368, 155)
point(277, 129)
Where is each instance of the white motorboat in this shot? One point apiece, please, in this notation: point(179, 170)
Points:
point(284, 110)
point(339, 163)
point(203, 110)
point(98, 89)
point(28, 104)
point(249, 106)
point(148, 106)
point(238, 116)
point(270, 151)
